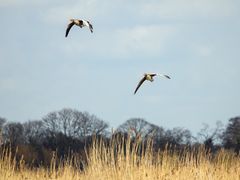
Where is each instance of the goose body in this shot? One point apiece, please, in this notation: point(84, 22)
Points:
point(149, 77)
point(78, 22)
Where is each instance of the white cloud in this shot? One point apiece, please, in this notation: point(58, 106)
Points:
point(154, 9)
point(139, 9)
point(6, 3)
point(85, 9)
point(124, 42)
point(188, 9)
point(204, 51)
point(143, 39)
point(11, 3)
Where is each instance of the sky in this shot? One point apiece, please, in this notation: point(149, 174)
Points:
point(196, 43)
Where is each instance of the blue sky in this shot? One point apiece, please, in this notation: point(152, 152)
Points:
point(195, 42)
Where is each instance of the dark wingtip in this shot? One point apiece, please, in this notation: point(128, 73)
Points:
point(167, 77)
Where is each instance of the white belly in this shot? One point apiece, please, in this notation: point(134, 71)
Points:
point(85, 23)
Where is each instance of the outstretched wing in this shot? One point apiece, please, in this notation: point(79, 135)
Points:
point(68, 28)
point(139, 84)
point(153, 74)
point(90, 27)
point(167, 76)
point(163, 75)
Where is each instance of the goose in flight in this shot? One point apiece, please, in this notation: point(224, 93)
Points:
point(149, 77)
point(78, 22)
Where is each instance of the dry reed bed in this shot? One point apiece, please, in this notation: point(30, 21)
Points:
point(122, 159)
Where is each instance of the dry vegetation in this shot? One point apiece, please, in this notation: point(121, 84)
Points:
point(121, 159)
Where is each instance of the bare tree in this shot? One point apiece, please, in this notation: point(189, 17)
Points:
point(74, 123)
point(87, 125)
point(66, 119)
point(51, 123)
point(82, 124)
point(13, 133)
point(181, 135)
point(158, 132)
point(137, 127)
point(63, 121)
point(33, 131)
point(209, 135)
point(2, 122)
point(231, 136)
point(98, 126)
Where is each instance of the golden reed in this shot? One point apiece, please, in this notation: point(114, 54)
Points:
point(125, 159)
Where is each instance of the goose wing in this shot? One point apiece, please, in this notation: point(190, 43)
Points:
point(153, 74)
point(163, 75)
point(167, 76)
point(90, 27)
point(68, 28)
point(139, 84)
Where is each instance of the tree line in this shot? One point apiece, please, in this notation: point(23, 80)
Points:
point(69, 131)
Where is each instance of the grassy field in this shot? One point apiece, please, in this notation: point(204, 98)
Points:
point(122, 160)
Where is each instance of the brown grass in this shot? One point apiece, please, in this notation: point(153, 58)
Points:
point(120, 159)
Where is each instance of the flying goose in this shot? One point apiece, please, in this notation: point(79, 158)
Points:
point(149, 77)
point(78, 22)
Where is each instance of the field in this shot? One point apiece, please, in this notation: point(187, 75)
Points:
point(122, 159)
